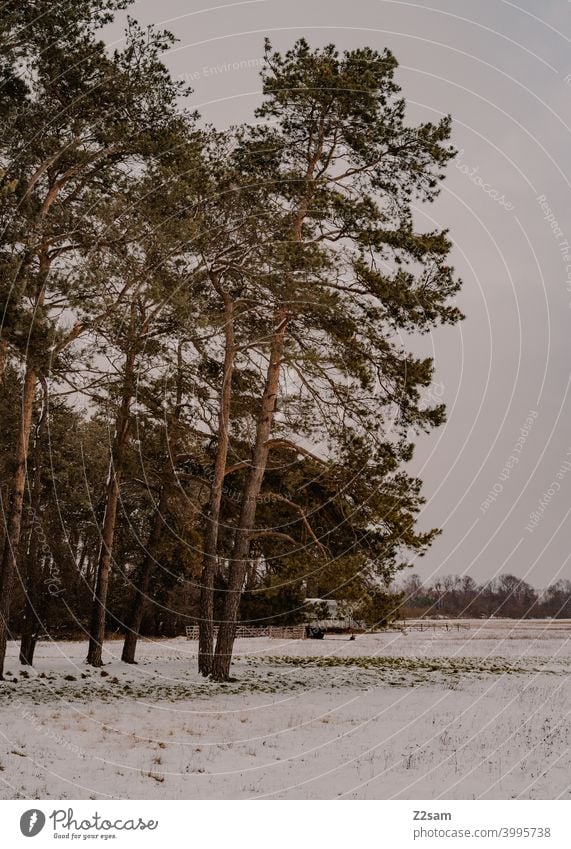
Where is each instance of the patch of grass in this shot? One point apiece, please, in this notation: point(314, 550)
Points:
point(493, 665)
point(283, 673)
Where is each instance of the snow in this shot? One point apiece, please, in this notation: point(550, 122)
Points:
point(478, 713)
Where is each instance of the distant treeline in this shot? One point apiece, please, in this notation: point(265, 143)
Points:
point(504, 596)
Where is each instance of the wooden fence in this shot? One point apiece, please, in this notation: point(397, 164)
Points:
point(432, 626)
point(277, 632)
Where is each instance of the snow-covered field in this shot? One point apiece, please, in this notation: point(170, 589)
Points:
point(483, 712)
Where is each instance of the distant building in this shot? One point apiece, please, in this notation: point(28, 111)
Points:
point(330, 614)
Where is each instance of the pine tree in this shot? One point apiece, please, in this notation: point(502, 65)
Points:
point(349, 267)
point(97, 114)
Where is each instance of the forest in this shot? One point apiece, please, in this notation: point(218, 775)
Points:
point(210, 387)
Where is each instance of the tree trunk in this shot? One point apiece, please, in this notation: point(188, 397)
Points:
point(147, 568)
point(210, 558)
point(97, 626)
point(241, 550)
point(3, 358)
point(31, 570)
point(33, 625)
point(14, 519)
point(31, 605)
point(29, 637)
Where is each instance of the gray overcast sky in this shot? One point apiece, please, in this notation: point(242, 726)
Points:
point(503, 70)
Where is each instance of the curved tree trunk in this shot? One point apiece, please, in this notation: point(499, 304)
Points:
point(210, 558)
point(241, 550)
point(14, 520)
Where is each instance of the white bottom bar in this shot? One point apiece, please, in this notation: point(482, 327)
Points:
point(287, 825)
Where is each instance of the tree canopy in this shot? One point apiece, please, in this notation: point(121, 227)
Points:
point(209, 334)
